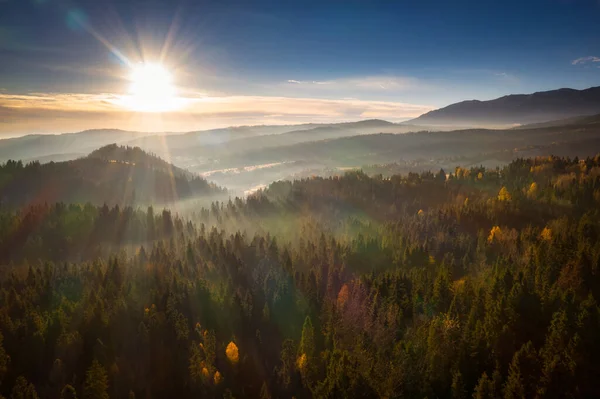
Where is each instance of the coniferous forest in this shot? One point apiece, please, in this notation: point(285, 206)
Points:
point(466, 283)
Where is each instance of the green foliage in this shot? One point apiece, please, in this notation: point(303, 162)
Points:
point(4, 359)
point(68, 392)
point(23, 389)
point(96, 382)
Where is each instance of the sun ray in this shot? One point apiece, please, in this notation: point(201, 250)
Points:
point(170, 38)
point(114, 50)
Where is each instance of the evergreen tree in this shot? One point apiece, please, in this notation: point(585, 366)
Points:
point(23, 389)
point(96, 382)
point(68, 392)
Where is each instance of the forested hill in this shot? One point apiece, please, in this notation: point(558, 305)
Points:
point(137, 156)
point(112, 175)
point(477, 282)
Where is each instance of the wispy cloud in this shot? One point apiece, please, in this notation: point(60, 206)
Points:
point(585, 60)
point(49, 112)
point(310, 82)
point(506, 77)
point(372, 83)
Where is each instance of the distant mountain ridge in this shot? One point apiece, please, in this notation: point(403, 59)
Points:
point(516, 109)
point(53, 147)
point(61, 147)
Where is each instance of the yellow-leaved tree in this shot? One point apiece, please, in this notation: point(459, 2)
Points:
point(504, 195)
point(532, 192)
point(217, 378)
point(232, 353)
point(495, 234)
point(546, 234)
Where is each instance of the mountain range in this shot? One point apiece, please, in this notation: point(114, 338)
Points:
point(244, 158)
point(516, 109)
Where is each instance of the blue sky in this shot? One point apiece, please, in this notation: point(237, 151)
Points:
point(389, 59)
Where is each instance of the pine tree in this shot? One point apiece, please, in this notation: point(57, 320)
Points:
point(96, 382)
point(23, 389)
point(483, 390)
point(458, 386)
point(523, 374)
point(4, 359)
point(306, 350)
point(68, 392)
point(264, 391)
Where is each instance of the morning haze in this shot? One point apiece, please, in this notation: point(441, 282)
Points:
point(283, 200)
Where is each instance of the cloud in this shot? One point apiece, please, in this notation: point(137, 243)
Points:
point(367, 83)
point(56, 113)
point(506, 77)
point(585, 60)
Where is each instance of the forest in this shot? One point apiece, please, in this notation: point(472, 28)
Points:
point(466, 283)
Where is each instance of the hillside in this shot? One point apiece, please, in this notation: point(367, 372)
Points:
point(319, 133)
point(139, 157)
point(111, 175)
point(516, 109)
point(68, 146)
point(480, 284)
point(431, 150)
point(577, 120)
point(58, 146)
point(165, 144)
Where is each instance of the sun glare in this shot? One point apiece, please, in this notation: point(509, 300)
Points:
point(151, 89)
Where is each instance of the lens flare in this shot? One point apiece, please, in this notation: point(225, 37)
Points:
point(151, 89)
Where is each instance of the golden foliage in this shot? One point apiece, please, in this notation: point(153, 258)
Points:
point(232, 352)
point(504, 195)
point(462, 172)
point(343, 295)
point(533, 190)
point(217, 377)
point(450, 324)
point(546, 234)
point(301, 362)
point(495, 234)
point(537, 169)
point(565, 180)
point(420, 213)
point(479, 176)
point(458, 285)
point(205, 372)
point(594, 172)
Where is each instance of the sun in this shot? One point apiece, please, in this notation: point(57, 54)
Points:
point(151, 89)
